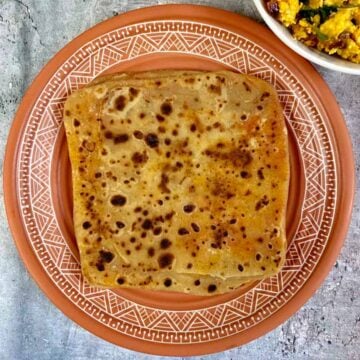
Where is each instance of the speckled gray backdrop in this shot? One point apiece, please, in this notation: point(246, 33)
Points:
point(327, 327)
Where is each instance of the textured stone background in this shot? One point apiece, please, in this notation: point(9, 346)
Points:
point(327, 327)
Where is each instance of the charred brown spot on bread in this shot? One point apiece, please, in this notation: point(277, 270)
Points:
point(100, 266)
point(197, 282)
point(163, 183)
point(86, 225)
point(147, 224)
point(120, 103)
point(121, 280)
point(138, 134)
point(160, 118)
point(166, 108)
point(245, 174)
point(121, 138)
point(157, 230)
point(118, 200)
point(218, 239)
point(106, 256)
point(165, 260)
point(260, 174)
point(264, 201)
point(264, 95)
point(244, 156)
point(189, 208)
point(167, 282)
point(238, 157)
point(152, 140)
point(240, 268)
point(120, 224)
point(151, 251)
point(212, 288)
point(183, 231)
point(76, 122)
point(133, 93)
point(216, 89)
point(277, 261)
point(165, 243)
point(169, 215)
point(246, 86)
point(139, 158)
point(108, 134)
point(195, 227)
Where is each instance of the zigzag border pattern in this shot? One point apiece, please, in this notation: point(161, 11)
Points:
point(50, 247)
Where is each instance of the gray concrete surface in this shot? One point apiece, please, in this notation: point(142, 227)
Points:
point(327, 327)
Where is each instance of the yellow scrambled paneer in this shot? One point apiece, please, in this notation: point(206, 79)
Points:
point(342, 2)
point(341, 26)
point(288, 10)
point(332, 26)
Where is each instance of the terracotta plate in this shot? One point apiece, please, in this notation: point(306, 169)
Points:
point(37, 182)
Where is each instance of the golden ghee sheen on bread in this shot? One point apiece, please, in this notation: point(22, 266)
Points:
point(180, 180)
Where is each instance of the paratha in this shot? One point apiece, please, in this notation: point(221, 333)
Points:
point(180, 180)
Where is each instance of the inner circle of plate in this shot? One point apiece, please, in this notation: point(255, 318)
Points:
point(61, 188)
point(171, 37)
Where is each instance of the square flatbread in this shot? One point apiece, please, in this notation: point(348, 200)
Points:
point(180, 180)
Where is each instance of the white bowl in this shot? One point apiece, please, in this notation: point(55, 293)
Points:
point(328, 61)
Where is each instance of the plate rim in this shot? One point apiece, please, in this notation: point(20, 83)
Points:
point(209, 15)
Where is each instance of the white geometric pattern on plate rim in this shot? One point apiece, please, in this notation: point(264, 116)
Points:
point(50, 247)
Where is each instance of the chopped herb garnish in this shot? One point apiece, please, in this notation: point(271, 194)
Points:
point(321, 36)
point(324, 12)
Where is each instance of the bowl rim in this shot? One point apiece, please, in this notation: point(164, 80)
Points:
point(316, 57)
